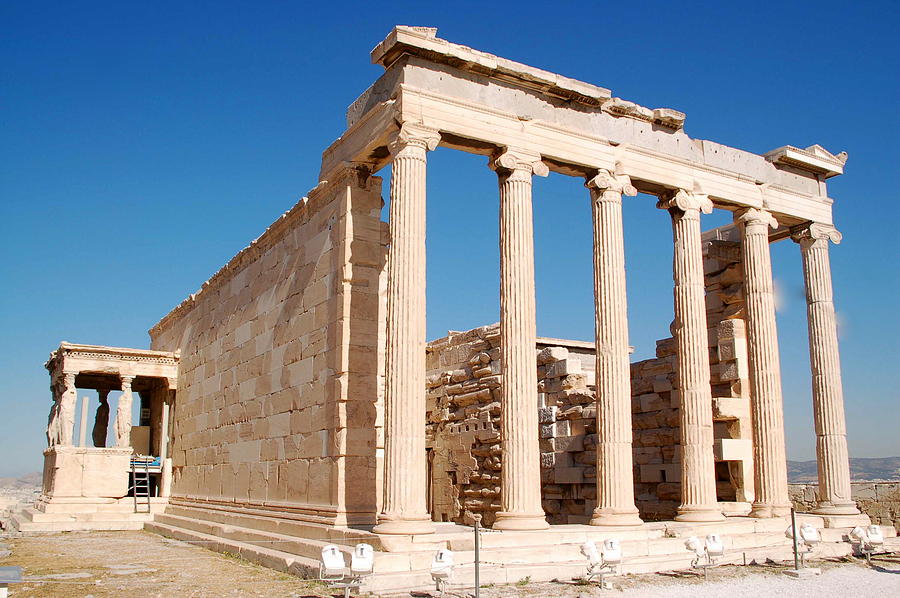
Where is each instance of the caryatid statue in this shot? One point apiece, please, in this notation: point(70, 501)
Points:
point(101, 420)
point(53, 418)
point(66, 414)
point(123, 414)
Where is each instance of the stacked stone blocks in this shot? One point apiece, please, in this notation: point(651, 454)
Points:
point(278, 386)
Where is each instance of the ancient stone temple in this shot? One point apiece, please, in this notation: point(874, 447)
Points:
point(296, 402)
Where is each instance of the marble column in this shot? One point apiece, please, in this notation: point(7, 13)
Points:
point(82, 425)
point(67, 403)
point(698, 477)
point(164, 396)
point(101, 420)
point(766, 410)
point(827, 390)
point(615, 480)
point(123, 414)
point(405, 510)
point(520, 477)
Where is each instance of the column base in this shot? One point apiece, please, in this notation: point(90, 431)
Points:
point(404, 526)
point(830, 508)
point(761, 510)
point(520, 521)
point(615, 517)
point(700, 513)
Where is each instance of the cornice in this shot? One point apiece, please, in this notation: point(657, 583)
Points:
point(814, 158)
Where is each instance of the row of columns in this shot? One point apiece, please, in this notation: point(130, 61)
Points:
point(405, 509)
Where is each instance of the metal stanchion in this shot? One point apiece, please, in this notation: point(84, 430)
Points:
point(798, 572)
point(795, 534)
point(477, 519)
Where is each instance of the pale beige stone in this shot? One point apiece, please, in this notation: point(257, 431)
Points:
point(520, 489)
point(698, 491)
point(404, 509)
point(828, 395)
point(294, 378)
point(769, 457)
point(615, 491)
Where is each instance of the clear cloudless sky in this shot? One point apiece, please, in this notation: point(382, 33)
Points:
point(144, 144)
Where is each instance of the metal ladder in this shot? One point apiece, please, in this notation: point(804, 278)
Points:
point(140, 476)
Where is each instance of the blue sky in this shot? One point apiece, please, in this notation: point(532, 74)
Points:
point(142, 146)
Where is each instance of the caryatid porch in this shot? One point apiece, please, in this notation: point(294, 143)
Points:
point(434, 91)
point(84, 470)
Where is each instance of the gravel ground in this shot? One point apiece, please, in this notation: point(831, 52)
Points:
point(139, 564)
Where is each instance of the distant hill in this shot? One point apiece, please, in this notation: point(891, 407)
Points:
point(26, 481)
point(881, 468)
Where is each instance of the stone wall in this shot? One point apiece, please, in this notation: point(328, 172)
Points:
point(464, 377)
point(879, 500)
point(278, 399)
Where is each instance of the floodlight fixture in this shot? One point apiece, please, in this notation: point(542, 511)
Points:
point(442, 569)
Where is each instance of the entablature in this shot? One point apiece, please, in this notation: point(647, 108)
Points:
point(457, 91)
point(100, 367)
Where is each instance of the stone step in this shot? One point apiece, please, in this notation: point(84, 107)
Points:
point(267, 522)
point(122, 506)
point(36, 516)
point(291, 544)
point(503, 562)
point(268, 557)
point(303, 547)
point(20, 522)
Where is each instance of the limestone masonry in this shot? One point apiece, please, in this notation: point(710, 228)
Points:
point(293, 401)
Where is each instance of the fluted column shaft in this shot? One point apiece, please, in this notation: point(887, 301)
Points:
point(164, 426)
point(405, 510)
point(698, 480)
point(520, 488)
point(615, 480)
point(827, 389)
point(766, 410)
point(123, 413)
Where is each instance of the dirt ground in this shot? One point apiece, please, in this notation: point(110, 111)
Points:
point(140, 564)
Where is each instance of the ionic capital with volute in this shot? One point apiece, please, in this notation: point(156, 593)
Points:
point(610, 186)
point(755, 217)
point(811, 232)
point(685, 201)
point(517, 163)
point(413, 140)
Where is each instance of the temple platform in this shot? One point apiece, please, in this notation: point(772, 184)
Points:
point(402, 563)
